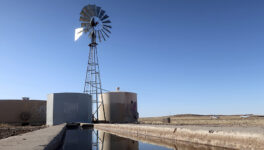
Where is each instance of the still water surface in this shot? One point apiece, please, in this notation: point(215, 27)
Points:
point(90, 139)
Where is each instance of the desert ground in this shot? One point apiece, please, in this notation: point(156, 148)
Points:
point(12, 130)
point(212, 120)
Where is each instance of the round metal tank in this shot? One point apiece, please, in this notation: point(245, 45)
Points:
point(69, 107)
point(118, 107)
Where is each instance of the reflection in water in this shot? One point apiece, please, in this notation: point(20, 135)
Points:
point(112, 142)
point(77, 139)
point(89, 139)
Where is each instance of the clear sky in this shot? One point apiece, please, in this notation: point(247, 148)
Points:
point(180, 56)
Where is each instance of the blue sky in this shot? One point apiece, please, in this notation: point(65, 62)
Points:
point(184, 56)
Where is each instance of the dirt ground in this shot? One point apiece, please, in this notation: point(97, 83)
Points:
point(11, 130)
point(216, 120)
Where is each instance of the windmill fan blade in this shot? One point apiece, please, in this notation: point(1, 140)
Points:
point(107, 21)
point(99, 37)
point(105, 34)
point(87, 12)
point(87, 19)
point(107, 26)
point(91, 9)
point(84, 14)
point(98, 9)
point(102, 13)
point(105, 17)
point(102, 35)
point(94, 10)
point(106, 30)
point(86, 29)
point(78, 33)
point(85, 24)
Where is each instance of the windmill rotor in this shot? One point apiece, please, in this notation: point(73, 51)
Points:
point(95, 22)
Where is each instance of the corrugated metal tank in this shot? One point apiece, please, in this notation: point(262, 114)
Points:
point(118, 107)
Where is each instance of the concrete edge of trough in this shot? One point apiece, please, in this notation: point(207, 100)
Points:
point(57, 140)
point(201, 136)
point(49, 138)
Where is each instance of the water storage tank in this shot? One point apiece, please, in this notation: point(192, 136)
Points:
point(69, 107)
point(118, 107)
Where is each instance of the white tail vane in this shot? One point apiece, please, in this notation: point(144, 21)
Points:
point(78, 33)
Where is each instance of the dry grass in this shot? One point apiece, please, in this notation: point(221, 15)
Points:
point(192, 119)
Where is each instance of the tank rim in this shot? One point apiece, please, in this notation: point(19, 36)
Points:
point(119, 92)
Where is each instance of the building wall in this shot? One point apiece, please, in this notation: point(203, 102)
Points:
point(23, 111)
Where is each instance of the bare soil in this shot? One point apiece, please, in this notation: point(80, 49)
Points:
point(11, 130)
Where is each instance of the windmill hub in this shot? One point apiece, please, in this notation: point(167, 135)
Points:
point(96, 24)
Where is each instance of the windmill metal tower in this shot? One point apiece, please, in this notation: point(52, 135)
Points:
point(95, 22)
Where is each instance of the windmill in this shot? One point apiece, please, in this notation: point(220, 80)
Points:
point(94, 22)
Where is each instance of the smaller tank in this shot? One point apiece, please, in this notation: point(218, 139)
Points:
point(118, 107)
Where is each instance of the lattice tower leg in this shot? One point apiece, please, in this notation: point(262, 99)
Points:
point(93, 85)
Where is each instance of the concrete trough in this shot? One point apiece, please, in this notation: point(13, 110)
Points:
point(45, 139)
point(51, 138)
point(228, 137)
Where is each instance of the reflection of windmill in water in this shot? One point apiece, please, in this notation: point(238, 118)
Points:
point(95, 22)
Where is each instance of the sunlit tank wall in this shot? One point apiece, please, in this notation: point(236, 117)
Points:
point(23, 111)
point(69, 107)
point(119, 107)
point(113, 142)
